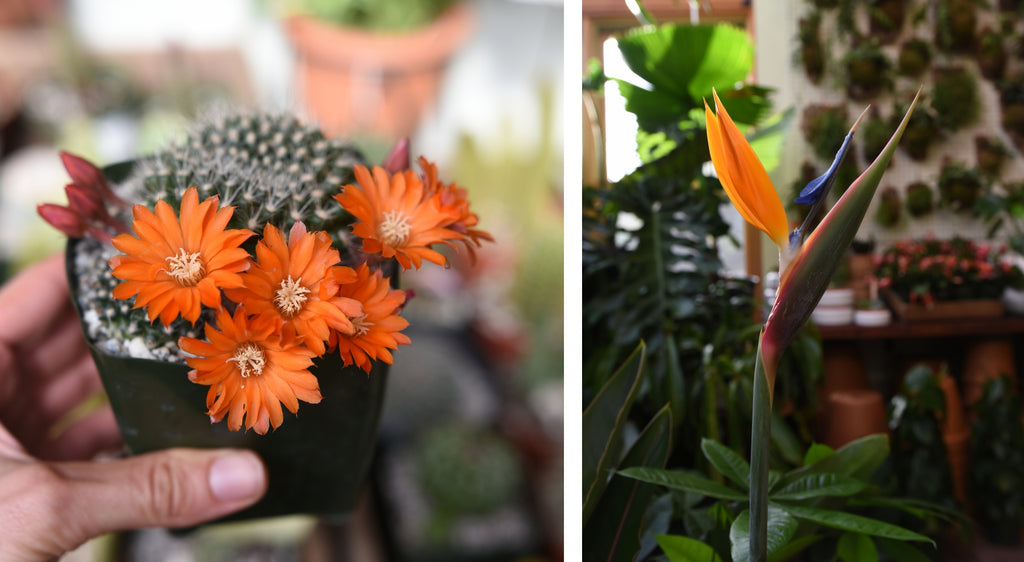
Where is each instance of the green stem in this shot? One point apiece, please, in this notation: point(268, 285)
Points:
point(760, 441)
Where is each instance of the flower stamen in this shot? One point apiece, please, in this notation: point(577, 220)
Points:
point(186, 269)
point(250, 359)
point(361, 325)
point(290, 297)
point(394, 229)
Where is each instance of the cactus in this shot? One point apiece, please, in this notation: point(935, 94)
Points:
point(271, 168)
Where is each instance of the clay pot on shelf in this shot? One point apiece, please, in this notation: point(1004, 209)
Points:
point(984, 360)
point(853, 414)
point(956, 434)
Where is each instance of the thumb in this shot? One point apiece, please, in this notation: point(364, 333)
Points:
point(172, 488)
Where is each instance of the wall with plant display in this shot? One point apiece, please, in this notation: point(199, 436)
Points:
point(963, 143)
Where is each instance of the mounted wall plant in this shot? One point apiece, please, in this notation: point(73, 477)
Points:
point(866, 71)
point(960, 187)
point(991, 153)
point(876, 134)
point(922, 131)
point(812, 55)
point(889, 209)
point(825, 127)
point(914, 58)
point(1011, 95)
point(920, 199)
point(886, 18)
point(991, 55)
point(955, 25)
point(955, 97)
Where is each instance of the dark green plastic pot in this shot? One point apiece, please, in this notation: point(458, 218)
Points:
point(317, 460)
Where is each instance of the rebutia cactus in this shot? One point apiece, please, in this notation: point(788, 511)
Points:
point(272, 168)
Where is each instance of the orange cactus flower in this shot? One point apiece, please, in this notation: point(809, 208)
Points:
point(290, 284)
point(743, 176)
point(173, 266)
point(251, 371)
point(455, 202)
point(378, 328)
point(395, 217)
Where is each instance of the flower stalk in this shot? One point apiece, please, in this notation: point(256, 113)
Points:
point(807, 261)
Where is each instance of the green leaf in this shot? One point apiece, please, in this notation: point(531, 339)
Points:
point(684, 482)
point(859, 458)
point(818, 486)
point(856, 547)
point(683, 63)
point(727, 461)
point(851, 522)
point(679, 548)
point(781, 528)
point(603, 422)
point(794, 547)
point(902, 551)
point(613, 532)
point(816, 452)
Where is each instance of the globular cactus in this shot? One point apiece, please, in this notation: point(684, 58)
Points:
point(271, 168)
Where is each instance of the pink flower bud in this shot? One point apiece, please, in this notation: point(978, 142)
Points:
point(398, 159)
point(63, 219)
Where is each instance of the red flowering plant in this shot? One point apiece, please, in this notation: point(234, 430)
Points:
point(253, 249)
point(930, 270)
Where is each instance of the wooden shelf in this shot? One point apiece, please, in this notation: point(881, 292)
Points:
point(1004, 325)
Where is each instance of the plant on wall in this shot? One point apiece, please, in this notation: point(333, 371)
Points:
point(825, 127)
point(920, 199)
point(914, 58)
point(889, 209)
point(875, 135)
point(886, 18)
point(955, 97)
point(955, 25)
point(866, 71)
point(1011, 95)
point(991, 55)
point(812, 54)
point(991, 153)
point(1005, 211)
point(922, 132)
point(960, 187)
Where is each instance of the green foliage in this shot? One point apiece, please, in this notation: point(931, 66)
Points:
point(920, 199)
point(394, 15)
point(960, 186)
point(866, 68)
point(955, 98)
point(914, 57)
point(996, 483)
point(822, 505)
point(1005, 210)
point(919, 462)
point(825, 127)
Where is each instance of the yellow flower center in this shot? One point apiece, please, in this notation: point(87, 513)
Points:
point(360, 325)
point(250, 359)
point(186, 269)
point(394, 229)
point(290, 297)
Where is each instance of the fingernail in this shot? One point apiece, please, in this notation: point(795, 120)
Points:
point(237, 476)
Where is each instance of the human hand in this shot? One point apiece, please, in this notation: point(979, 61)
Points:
point(52, 496)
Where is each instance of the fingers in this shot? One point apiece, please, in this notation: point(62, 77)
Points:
point(34, 301)
point(59, 506)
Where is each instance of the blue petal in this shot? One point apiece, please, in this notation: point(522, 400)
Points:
point(819, 187)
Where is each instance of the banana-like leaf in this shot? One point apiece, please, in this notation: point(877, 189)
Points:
point(684, 482)
point(603, 423)
point(727, 461)
point(818, 486)
point(850, 522)
point(612, 534)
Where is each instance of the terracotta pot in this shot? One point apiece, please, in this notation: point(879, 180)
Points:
point(862, 266)
point(853, 414)
point(353, 80)
point(984, 360)
point(956, 433)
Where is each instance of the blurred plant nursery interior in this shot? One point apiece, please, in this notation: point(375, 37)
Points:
point(408, 401)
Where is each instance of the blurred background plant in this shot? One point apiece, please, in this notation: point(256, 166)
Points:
point(115, 79)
